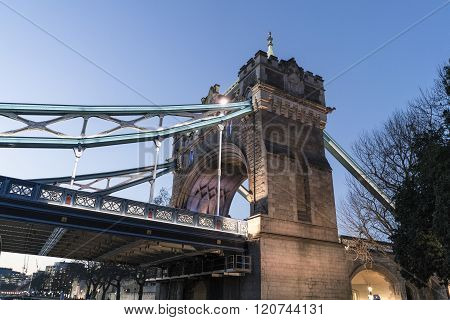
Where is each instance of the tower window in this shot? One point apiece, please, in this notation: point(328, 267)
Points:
point(230, 128)
point(191, 157)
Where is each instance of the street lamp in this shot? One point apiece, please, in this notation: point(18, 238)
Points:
point(370, 296)
point(223, 100)
point(219, 168)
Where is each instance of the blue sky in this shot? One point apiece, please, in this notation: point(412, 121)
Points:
point(172, 51)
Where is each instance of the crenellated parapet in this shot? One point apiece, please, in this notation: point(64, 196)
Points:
point(284, 75)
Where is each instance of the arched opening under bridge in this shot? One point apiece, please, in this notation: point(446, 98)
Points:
point(369, 284)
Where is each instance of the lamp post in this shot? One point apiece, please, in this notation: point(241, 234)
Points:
point(369, 288)
point(155, 165)
point(152, 182)
point(222, 101)
point(219, 168)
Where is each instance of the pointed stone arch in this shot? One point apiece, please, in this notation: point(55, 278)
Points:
point(383, 281)
point(199, 190)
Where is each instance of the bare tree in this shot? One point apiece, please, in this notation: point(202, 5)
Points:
point(140, 275)
point(163, 199)
point(92, 274)
point(361, 249)
point(118, 273)
point(386, 156)
point(106, 278)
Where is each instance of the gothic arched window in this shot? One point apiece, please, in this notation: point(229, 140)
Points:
point(191, 157)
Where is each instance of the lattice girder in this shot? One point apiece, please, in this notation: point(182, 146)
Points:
point(196, 117)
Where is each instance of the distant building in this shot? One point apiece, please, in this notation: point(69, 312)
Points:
point(5, 271)
point(12, 280)
point(60, 279)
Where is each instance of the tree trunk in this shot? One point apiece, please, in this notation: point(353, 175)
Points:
point(94, 292)
point(141, 291)
point(118, 290)
point(88, 291)
point(105, 289)
point(447, 289)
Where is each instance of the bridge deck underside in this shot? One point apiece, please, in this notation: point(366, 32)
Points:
point(29, 238)
point(27, 228)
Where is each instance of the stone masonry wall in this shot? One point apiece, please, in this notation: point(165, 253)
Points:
point(294, 268)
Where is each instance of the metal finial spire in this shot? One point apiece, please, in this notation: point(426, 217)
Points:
point(269, 45)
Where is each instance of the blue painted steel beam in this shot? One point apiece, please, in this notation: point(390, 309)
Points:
point(51, 242)
point(91, 142)
point(347, 161)
point(101, 175)
point(117, 110)
point(126, 185)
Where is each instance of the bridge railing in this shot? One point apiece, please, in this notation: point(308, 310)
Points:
point(36, 192)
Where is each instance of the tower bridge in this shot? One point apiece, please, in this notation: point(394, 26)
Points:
point(268, 129)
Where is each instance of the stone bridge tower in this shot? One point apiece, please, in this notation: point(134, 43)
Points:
point(279, 148)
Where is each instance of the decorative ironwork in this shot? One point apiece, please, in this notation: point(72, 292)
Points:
point(111, 205)
point(20, 190)
point(206, 222)
point(51, 195)
point(185, 218)
point(136, 209)
point(363, 249)
point(243, 227)
point(85, 201)
point(163, 215)
point(229, 225)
